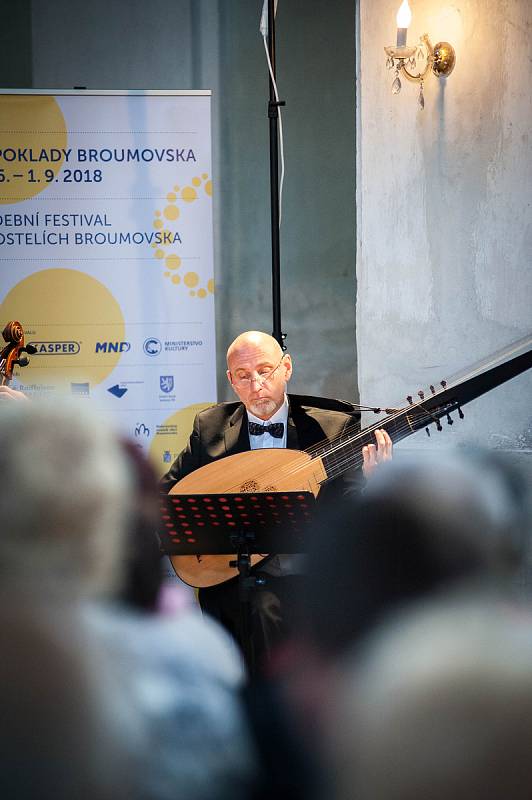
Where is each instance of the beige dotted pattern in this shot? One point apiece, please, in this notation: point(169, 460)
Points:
point(189, 281)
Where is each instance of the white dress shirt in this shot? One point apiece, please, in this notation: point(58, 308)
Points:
point(266, 439)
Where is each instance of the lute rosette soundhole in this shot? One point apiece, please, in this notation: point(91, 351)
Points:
point(249, 486)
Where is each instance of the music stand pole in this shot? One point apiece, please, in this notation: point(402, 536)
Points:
point(246, 583)
point(273, 115)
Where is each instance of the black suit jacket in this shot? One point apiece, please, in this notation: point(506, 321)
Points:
point(222, 430)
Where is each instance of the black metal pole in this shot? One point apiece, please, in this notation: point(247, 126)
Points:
point(273, 115)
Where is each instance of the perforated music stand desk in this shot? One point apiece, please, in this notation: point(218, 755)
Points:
point(216, 524)
point(237, 525)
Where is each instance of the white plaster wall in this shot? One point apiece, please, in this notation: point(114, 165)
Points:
point(444, 234)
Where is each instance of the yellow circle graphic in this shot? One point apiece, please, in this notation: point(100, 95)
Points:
point(171, 212)
point(189, 194)
point(175, 431)
point(173, 261)
point(72, 318)
point(191, 279)
point(33, 137)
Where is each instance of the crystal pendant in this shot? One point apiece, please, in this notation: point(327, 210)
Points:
point(396, 85)
point(421, 98)
point(389, 63)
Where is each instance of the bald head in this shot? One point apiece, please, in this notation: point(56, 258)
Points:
point(253, 339)
point(258, 372)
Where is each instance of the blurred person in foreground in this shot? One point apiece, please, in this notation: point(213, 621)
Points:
point(100, 699)
point(437, 705)
point(418, 530)
point(184, 672)
point(63, 503)
point(420, 527)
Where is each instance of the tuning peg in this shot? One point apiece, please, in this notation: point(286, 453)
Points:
point(444, 384)
point(449, 420)
point(409, 398)
point(427, 432)
point(438, 425)
point(460, 413)
point(421, 394)
point(432, 389)
point(30, 349)
point(22, 362)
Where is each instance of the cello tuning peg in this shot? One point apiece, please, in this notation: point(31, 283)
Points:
point(421, 394)
point(432, 389)
point(427, 432)
point(22, 362)
point(460, 413)
point(449, 420)
point(438, 425)
point(30, 349)
point(409, 399)
point(444, 384)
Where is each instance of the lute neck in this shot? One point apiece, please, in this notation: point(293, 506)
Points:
point(345, 452)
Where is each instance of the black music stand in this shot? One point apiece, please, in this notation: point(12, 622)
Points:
point(245, 524)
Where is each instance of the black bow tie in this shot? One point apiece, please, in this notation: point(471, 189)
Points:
point(275, 429)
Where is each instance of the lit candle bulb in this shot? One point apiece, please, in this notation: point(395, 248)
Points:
point(404, 18)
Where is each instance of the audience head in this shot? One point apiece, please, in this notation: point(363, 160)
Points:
point(418, 529)
point(438, 705)
point(63, 500)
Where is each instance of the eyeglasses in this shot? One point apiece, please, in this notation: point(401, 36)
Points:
point(263, 376)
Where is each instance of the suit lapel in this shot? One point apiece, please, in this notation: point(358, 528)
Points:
point(293, 423)
point(236, 436)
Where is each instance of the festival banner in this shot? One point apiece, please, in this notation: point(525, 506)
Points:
point(106, 254)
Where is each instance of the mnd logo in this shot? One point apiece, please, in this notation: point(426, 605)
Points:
point(112, 347)
point(141, 430)
point(55, 348)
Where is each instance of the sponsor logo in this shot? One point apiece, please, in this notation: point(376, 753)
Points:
point(182, 345)
point(141, 430)
point(80, 389)
point(117, 391)
point(112, 347)
point(152, 347)
point(166, 382)
point(167, 456)
point(40, 388)
point(166, 430)
point(55, 348)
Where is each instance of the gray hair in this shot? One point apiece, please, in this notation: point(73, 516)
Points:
point(439, 706)
point(63, 497)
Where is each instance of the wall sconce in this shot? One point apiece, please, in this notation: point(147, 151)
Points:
point(440, 58)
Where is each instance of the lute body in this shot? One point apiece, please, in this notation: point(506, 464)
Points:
point(274, 470)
